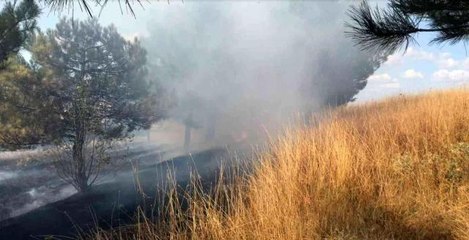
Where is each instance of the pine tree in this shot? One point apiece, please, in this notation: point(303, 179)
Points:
point(17, 21)
point(59, 5)
point(394, 28)
point(91, 89)
point(24, 109)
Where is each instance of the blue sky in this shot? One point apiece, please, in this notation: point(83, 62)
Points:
point(423, 67)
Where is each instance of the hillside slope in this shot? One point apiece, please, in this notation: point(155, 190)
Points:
point(396, 169)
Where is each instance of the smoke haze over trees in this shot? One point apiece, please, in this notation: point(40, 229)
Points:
point(85, 87)
point(246, 66)
point(235, 67)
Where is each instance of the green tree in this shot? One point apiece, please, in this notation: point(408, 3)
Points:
point(395, 27)
point(24, 116)
point(17, 21)
point(93, 86)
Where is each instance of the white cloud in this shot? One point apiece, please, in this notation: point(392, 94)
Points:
point(451, 75)
point(442, 60)
point(411, 53)
point(420, 54)
point(447, 62)
point(465, 63)
point(412, 74)
point(383, 80)
point(394, 84)
point(394, 59)
point(379, 78)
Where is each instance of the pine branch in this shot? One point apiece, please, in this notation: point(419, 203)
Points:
point(381, 30)
point(391, 29)
point(59, 5)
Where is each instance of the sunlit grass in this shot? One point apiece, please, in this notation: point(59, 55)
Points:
point(396, 169)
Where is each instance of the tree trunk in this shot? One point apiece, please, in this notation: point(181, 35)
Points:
point(188, 123)
point(211, 125)
point(187, 138)
point(80, 176)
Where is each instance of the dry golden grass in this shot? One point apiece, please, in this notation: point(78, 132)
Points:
point(396, 169)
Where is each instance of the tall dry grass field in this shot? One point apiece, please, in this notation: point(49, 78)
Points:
point(396, 169)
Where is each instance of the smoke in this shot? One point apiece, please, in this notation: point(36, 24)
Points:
point(237, 71)
point(240, 69)
point(42, 196)
point(4, 175)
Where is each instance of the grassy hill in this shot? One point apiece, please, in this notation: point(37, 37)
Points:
point(395, 169)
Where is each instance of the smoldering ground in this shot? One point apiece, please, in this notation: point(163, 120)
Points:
point(28, 179)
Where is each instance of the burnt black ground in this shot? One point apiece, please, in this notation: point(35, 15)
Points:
point(31, 180)
point(110, 204)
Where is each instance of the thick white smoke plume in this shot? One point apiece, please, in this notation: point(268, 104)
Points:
point(238, 69)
